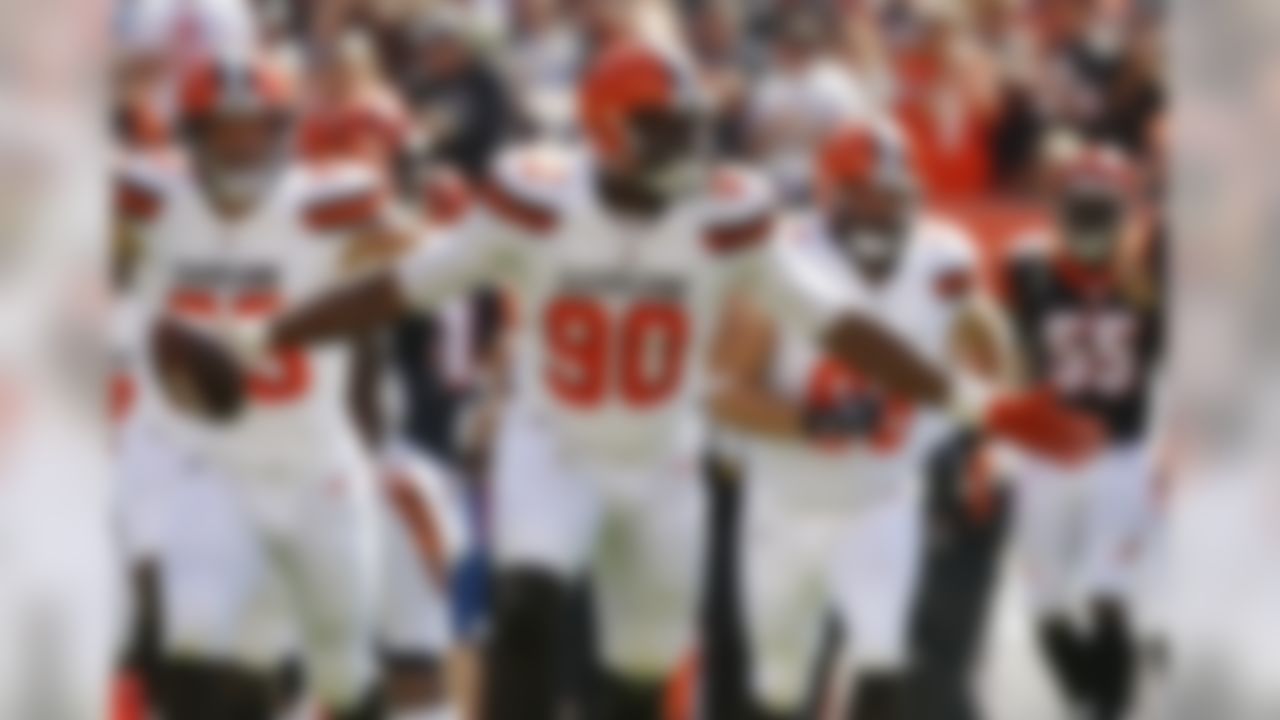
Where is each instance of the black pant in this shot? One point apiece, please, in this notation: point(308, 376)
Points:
point(958, 581)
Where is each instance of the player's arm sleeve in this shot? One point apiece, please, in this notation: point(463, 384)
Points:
point(474, 252)
point(802, 294)
point(798, 292)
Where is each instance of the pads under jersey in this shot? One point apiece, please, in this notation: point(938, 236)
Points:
point(919, 300)
point(196, 265)
point(614, 315)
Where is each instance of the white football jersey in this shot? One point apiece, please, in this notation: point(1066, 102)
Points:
point(918, 301)
point(615, 314)
point(206, 269)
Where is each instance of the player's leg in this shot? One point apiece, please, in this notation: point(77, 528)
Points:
point(960, 574)
point(722, 690)
point(877, 580)
point(544, 522)
point(214, 579)
point(147, 468)
point(326, 556)
point(1122, 511)
point(645, 578)
point(786, 558)
point(1048, 522)
point(421, 537)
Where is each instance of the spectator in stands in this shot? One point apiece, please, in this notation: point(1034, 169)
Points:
point(714, 36)
point(804, 89)
point(946, 96)
point(542, 58)
point(461, 107)
point(351, 110)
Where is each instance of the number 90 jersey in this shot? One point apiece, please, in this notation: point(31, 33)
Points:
point(615, 313)
point(919, 300)
point(194, 264)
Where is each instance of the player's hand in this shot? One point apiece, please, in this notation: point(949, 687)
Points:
point(197, 373)
point(246, 339)
point(1038, 422)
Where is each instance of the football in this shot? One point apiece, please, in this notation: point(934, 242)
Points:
point(197, 374)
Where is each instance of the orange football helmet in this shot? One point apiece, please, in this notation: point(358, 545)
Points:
point(235, 87)
point(865, 184)
point(237, 123)
point(627, 81)
point(1095, 190)
point(864, 153)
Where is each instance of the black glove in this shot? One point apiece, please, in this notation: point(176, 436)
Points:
point(853, 417)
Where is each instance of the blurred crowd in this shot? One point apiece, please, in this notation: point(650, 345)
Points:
point(982, 86)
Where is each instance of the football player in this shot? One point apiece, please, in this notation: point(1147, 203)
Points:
point(288, 506)
point(619, 255)
point(836, 470)
point(1089, 320)
point(351, 114)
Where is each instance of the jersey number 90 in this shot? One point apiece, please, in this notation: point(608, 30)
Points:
point(635, 354)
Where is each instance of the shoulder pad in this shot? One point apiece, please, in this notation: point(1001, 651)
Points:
point(142, 185)
point(740, 210)
point(341, 197)
point(528, 186)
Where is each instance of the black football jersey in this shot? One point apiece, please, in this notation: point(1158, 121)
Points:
point(1096, 345)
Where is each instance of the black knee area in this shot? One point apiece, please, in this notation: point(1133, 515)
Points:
point(413, 680)
point(628, 699)
point(142, 651)
point(880, 696)
point(522, 654)
point(291, 681)
point(1067, 654)
point(1114, 659)
point(209, 690)
point(529, 605)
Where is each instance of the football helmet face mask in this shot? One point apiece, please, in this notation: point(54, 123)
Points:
point(1094, 191)
point(237, 121)
point(643, 117)
point(866, 188)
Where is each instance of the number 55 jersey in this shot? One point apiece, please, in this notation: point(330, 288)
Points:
point(1085, 336)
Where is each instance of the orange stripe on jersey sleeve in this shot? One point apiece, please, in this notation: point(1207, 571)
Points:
point(739, 236)
point(344, 212)
point(517, 211)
